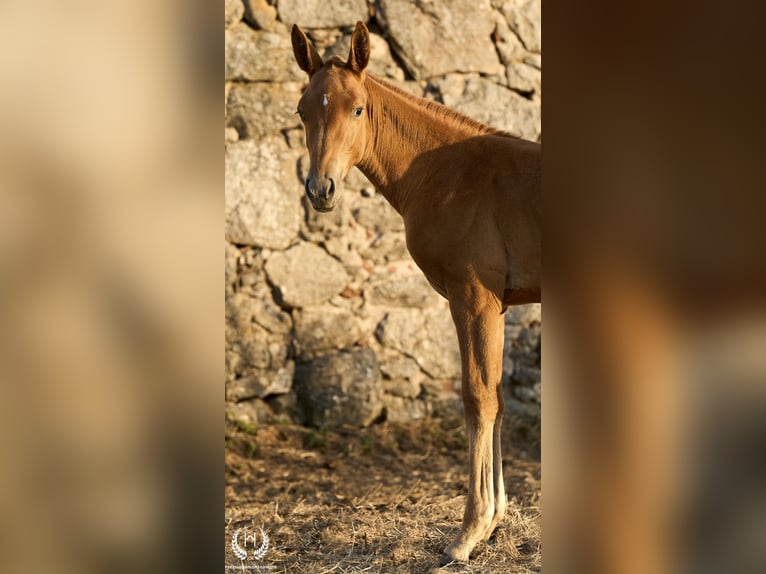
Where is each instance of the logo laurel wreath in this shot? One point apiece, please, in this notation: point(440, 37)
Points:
point(261, 552)
point(238, 550)
point(258, 553)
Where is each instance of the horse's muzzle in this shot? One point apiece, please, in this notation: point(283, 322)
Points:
point(321, 193)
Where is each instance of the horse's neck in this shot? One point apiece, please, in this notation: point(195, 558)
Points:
point(402, 129)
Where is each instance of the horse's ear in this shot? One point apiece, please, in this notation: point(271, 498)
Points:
point(305, 54)
point(359, 54)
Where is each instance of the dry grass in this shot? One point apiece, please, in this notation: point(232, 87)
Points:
point(384, 499)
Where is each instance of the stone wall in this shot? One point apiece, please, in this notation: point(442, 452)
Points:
point(328, 320)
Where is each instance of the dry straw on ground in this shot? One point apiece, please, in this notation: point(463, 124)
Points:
point(383, 499)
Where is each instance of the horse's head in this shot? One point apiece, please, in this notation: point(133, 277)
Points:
point(334, 113)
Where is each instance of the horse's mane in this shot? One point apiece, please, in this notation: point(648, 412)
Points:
point(440, 110)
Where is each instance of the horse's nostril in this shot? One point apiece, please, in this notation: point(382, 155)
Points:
point(320, 190)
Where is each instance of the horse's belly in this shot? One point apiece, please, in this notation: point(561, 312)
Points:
point(521, 296)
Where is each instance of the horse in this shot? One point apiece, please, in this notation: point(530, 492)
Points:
point(470, 199)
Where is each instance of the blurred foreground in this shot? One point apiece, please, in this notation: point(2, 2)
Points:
point(655, 356)
point(111, 329)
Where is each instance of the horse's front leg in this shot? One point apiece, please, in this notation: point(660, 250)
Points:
point(479, 325)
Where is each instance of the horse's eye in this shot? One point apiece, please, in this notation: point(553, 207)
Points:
point(301, 116)
point(358, 112)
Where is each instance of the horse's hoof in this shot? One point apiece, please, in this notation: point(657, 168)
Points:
point(446, 559)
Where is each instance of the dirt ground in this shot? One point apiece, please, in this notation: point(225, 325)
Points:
point(387, 498)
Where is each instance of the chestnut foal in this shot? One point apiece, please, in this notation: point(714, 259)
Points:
point(470, 199)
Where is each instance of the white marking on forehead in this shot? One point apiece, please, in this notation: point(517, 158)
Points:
point(325, 101)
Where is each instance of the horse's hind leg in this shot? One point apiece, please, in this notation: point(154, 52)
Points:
point(479, 323)
point(497, 452)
